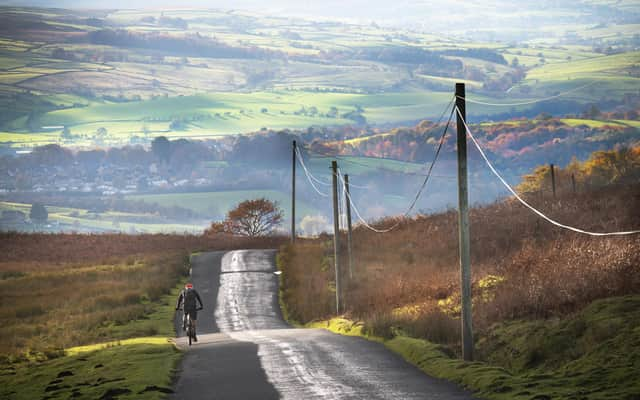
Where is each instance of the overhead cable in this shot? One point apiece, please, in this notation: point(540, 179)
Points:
point(351, 185)
point(345, 159)
point(309, 176)
point(357, 212)
point(299, 154)
point(539, 213)
point(343, 204)
point(524, 103)
point(418, 193)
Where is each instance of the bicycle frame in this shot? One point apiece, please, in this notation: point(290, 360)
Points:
point(189, 330)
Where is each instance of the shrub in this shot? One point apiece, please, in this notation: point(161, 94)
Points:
point(522, 267)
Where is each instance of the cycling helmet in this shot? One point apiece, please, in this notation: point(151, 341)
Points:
point(189, 286)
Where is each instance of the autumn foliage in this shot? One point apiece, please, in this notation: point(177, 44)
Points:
point(613, 167)
point(522, 267)
point(259, 217)
point(523, 142)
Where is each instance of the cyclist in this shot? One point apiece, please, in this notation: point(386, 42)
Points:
point(189, 298)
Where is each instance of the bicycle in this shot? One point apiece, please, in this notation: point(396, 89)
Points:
point(190, 329)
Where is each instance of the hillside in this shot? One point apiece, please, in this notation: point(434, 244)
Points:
point(85, 95)
point(110, 77)
point(517, 144)
point(553, 310)
point(138, 189)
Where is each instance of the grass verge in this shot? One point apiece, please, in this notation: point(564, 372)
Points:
point(137, 368)
point(131, 369)
point(591, 355)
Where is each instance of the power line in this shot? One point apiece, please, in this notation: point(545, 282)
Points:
point(311, 175)
point(539, 213)
point(308, 175)
point(418, 193)
point(358, 186)
point(523, 103)
point(347, 160)
point(357, 212)
point(343, 204)
point(392, 170)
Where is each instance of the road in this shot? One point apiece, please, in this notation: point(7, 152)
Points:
point(246, 350)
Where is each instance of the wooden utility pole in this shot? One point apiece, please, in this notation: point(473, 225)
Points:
point(347, 195)
point(336, 233)
point(463, 226)
point(553, 179)
point(293, 193)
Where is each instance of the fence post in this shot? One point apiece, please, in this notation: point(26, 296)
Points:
point(553, 179)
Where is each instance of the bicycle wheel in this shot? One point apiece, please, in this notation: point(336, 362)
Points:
point(189, 329)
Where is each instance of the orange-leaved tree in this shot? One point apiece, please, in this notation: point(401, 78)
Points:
point(257, 217)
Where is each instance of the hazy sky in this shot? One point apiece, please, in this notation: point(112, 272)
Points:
point(379, 9)
point(426, 15)
point(359, 10)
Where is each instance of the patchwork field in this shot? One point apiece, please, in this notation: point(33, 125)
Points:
point(73, 219)
point(282, 73)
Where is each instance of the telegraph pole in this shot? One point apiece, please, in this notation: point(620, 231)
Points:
point(463, 226)
point(336, 233)
point(349, 234)
point(553, 179)
point(293, 193)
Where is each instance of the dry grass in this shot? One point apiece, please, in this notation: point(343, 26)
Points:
point(107, 248)
point(66, 306)
point(62, 290)
point(408, 279)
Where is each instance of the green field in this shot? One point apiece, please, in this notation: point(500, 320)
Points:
point(219, 203)
point(135, 94)
point(239, 112)
point(73, 219)
point(609, 75)
point(594, 123)
point(218, 114)
point(362, 165)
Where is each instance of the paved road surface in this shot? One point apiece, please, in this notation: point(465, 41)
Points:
point(246, 351)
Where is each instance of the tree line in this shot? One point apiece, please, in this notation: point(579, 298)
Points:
point(605, 167)
point(187, 44)
point(177, 154)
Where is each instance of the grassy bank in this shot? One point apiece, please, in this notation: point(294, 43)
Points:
point(553, 311)
point(130, 370)
point(592, 355)
point(48, 310)
point(522, 267)
point(90, 316)
point(138, 368)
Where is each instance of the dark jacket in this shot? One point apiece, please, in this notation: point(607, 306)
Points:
point(182, 297)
